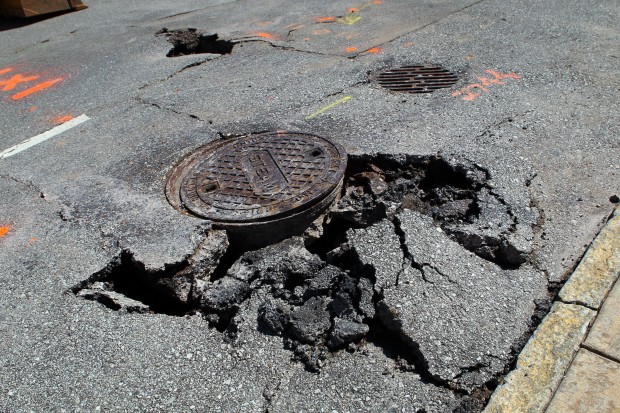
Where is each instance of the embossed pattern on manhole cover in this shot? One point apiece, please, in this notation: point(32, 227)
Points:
point(416, 79)
point(256, 178)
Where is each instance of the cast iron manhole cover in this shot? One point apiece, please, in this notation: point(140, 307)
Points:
point(416, 79)
point(258, 178)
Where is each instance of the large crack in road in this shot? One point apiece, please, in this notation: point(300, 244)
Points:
point(417, 256)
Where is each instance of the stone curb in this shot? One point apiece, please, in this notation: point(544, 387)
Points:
point(592, 280)
point(546, 357)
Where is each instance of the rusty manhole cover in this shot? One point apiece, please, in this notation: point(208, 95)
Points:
point(263, 178)
point(416, 79)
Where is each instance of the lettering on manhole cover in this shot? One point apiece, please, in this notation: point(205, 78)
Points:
point(416, 79)
point(258, 178)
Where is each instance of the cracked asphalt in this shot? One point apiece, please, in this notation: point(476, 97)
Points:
point(441, 306)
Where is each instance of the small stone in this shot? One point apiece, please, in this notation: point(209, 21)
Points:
point(614, 199)
point(346, 331)
point(365, 292)
point(223, 294)
point(272, 318)
point(311, 320)
point(323, 281)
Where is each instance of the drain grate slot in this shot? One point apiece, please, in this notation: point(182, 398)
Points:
point(416, 79)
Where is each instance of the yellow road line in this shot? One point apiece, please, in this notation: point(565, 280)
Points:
point(328, 107)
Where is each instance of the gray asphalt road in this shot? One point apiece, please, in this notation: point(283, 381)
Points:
point(492, 190)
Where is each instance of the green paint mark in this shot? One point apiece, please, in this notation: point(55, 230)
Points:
point(349, 19)
point(328, 107)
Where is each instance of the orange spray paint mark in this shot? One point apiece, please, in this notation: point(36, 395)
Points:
point(320, 32)
point(350, 49)
point(374, 50)
point(16, 80)
point(469, 94)
point(499, 75)
point(62, 119)
point(4, 230)
point(377, 2)
point(353, 10)
point(7, 70)
point(326, 19)
point(32, 240)
point(264, 35)
point(35, 89)
point(32, 108)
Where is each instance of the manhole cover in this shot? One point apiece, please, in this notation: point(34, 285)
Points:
point(258, 178)
point(416, 79)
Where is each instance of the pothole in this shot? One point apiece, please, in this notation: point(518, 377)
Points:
point(192, 41)
point(315, 288)
point(416, 79)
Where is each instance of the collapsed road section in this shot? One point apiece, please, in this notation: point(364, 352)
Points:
point(416, 254)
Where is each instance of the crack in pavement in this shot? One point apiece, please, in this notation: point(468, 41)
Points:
point(158, 106)
point(251, 39)
point(64, 212)
point(421, 28)
point(186, 67)
point(332, 289)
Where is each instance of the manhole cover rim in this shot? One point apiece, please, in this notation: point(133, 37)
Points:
point(180, 172)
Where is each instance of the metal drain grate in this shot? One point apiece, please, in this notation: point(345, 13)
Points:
point(416, 79)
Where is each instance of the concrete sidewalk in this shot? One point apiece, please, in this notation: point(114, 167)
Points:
point(568, 366)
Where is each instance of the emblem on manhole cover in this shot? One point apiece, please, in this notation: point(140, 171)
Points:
point(263, 178)
point(416, 79)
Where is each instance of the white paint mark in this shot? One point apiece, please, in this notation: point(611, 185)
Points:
point(28, 143)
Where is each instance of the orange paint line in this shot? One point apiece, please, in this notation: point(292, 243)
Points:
point(35, 89)
point(350, 49)
point(4, 230)
point(32, 108)
point(377, 2)
point(499, 75)
point(353, 10)
point(374, 50)
point(326, 19)
point(264, 34)
point(16, 80)
point(7, 70)
point(62, 119)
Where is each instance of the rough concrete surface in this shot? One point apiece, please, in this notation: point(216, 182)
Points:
point(543, 362)
point(591, 385)
point(462, 210)
point(592, 280)
point(604, 336)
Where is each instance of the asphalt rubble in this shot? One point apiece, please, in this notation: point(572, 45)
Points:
point(419, 256)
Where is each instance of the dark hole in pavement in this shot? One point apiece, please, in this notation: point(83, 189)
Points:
point(416, 79)
point(192, 41)
point(314, 290)
point(125, 283)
